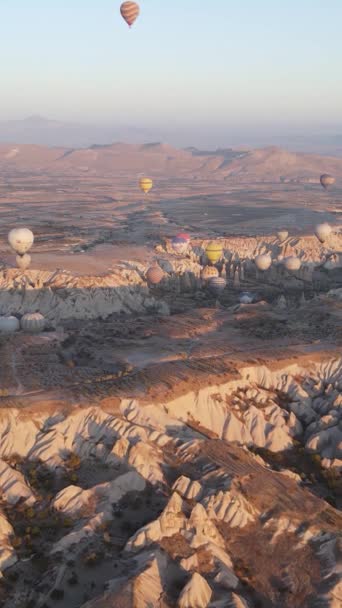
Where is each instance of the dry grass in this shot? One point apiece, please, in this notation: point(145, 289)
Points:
point(280, 574)
point(177, 547)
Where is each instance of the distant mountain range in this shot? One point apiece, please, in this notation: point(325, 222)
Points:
point(42, 131)
point(163, 160)
point(45, 132)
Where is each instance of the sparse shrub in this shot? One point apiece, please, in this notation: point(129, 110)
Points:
point(57, 594)
point(73, 462)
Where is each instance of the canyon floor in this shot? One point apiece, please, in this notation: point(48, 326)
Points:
point(160, 446)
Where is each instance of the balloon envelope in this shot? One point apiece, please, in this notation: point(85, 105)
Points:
point(327, 180)
point(246, 297)
point(145, 184)
point(184, 235)
point(292, 263)
point(214, 252)
point(154, 275)
point(209, 272)
point(323, 231)
point(23, 261)
point(33, 322)
point(179, 244)
point(217, 284)
point(9, 324)
point(129, 11)
point(21, 240)
point(282, 235)
point(263, 262)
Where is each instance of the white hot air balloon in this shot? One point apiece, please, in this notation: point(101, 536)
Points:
point(21, 240)
point(292, 263)
point(282, 235)
point(323, 231)
point(246, 298)
point(263, 262)
point(9, 325)
point(33, 322)
point(23, 261)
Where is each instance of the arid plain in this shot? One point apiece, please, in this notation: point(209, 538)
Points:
point(161, 446)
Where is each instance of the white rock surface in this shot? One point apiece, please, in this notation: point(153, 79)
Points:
point(13, 486)
point(7, 554)
point(196, 594)
point(191, 490)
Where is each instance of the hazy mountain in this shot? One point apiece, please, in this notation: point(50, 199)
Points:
point(42, 131)
point(271, 163)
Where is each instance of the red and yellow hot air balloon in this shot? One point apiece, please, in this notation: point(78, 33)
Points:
point(129, 11)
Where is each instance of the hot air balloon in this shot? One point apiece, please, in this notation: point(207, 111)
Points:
point(184, 235)
point(21, 240)
point(263, 262)
point(179, 244)
point(33, 322)
point(323, 231)
point(9, 325)
point(154, 275)
point(282, 235)
point(23, 261)
point(217, 285)
point(145, 184)
point(214, 252)
point(209, 272)
point(327, 180)
point(246, 298)
point(292, 263)
point(129, 11)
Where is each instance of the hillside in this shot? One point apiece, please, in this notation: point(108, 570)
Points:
point(157, 159)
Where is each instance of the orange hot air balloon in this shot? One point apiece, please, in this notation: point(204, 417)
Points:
point(129, 11)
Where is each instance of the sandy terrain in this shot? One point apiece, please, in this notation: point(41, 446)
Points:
point(159, 445)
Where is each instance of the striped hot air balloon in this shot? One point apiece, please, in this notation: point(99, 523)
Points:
point(33, 322)
point(129, 11)
point(217, 285)
point(154, 275)
point(145, 184)
point(214, 252)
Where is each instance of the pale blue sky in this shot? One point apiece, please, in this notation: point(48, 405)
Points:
point(231, 62)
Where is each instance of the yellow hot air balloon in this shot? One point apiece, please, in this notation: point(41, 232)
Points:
point(145, 184)
point(214, 252)
point(129, 11)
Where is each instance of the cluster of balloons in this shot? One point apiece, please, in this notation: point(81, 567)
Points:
point(292, 263)
point(31, 322)
point(216, 283)
point(21, 241)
